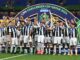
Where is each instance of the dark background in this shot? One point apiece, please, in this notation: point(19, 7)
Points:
point(12, 7)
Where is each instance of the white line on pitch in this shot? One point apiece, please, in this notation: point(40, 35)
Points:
point(13, 57)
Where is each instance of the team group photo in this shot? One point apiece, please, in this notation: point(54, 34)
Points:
point(42, 29)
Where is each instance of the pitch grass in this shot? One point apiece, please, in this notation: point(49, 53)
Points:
point(39, 57)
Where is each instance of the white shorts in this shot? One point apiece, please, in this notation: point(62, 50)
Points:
point(41, 38)
point(36, 37)
point(8, 38)
point(30, 39)
point(47, 39)
point(14, 41)
point(66, 40)
point(73, 41)
point(25, 40)
point(18, 32)
point(57, 40)
point(21, 37)
point(1, 40)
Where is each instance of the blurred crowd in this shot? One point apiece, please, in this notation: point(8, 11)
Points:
point(13, 13)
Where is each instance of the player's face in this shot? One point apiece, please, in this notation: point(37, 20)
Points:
point(56, 19)
point(21, 18)
point(72, 21)
point(57, 24)
point(35, 20)
point(61, 23)
point(28, 20)
point(72, 26)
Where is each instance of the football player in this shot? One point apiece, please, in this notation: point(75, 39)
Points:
point(73, 39)
point(1, 41)
point(40, 46)
point(36, 26)
point(14, 39)
point(57, 37)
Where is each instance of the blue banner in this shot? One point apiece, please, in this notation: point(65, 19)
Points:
point(39, 10)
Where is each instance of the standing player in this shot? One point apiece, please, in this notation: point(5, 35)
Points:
point(73, 39)
point(66, 39)
point(21, 43)
point(14, 39)
point(49, 25)
point(20, 24)
point(9, 23)
point(53, 35)
point(1, 41)
point(26, 29)
point(30, 40)
point(46, 38)
point(25, 39)
point(36, 26)
point(19, 37)
point(21, 20)
point(57, 38)
point(40, 46)
point(4, 35)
